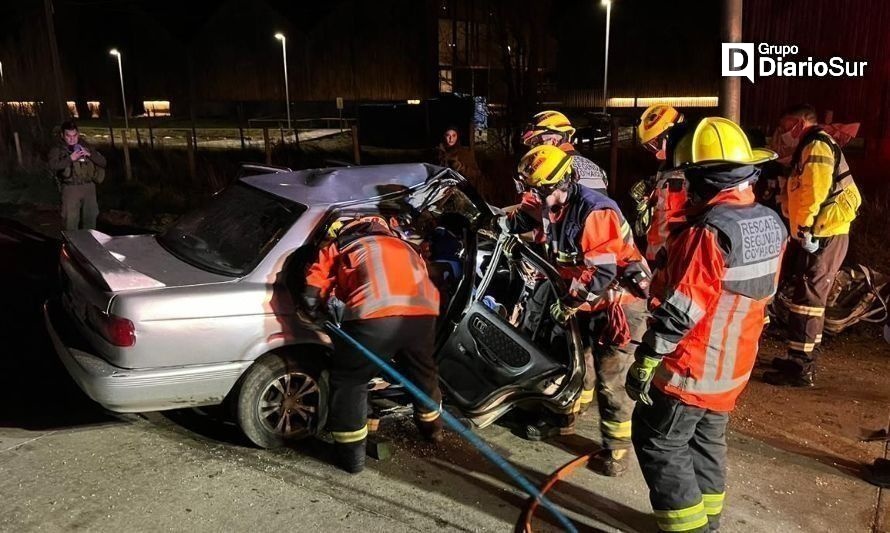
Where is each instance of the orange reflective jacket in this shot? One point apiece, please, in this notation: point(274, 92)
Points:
point(593, 247)
point(376, 276)
point(721, 272)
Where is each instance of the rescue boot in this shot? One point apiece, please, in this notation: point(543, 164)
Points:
point(794, 376)
point(350, 456)
point(431, 430)
point(784, 364)
point(610, 463)
point(545, 429)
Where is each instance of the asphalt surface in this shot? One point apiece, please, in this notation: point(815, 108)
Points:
point(70, 465)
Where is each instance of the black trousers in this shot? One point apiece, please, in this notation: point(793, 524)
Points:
point(682, 453)
point(410, 340)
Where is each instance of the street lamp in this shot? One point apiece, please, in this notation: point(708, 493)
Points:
point(280, 37)
point(608, 4)
point(120, 70)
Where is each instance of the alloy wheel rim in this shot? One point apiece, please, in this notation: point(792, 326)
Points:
point(289, 404)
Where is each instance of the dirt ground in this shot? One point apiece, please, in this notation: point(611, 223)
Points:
point(851, 400)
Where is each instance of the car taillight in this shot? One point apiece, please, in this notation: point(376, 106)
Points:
point(116, 330)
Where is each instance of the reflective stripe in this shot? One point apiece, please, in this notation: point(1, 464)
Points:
point(601, 259)
point(732, 338)
point(345, 437)
point(820, 160)
point(662, 345)
point(686, 519)
point(818, 338)
point(586, 396)
point(753, 271)
point(426, 417)
point(713, 503)
point(616, 430)
point(805, 347)
point(625, 229)
point(690, 384)
point(685, 305)
point(806, 310)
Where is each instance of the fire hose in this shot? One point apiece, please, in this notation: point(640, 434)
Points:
point(536, 496)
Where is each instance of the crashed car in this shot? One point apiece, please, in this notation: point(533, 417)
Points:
point(202, 314)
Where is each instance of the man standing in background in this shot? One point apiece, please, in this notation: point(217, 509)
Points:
point(78, 168)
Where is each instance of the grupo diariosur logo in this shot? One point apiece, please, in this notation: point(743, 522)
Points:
point(739, 59)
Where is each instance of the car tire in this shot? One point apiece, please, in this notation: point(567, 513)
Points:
point(279, 400)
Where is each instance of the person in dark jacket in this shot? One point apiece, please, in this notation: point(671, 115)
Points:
point(462, 159)
point(78, 168)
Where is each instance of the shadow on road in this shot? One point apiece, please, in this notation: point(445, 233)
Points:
point(36, 392)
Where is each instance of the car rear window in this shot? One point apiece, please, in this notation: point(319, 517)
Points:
point(233, 232)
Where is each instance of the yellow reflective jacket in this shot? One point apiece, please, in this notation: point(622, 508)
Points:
point(822, 197)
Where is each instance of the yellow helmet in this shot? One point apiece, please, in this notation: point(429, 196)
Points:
point(547, 122)
point(718, 141)
point(360, 224)
point(544, 166)
point(656, 120)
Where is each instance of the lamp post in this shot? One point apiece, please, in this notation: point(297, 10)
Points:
point(280, 36)
point(608, 4)
point(2, 79)
point(120, 70)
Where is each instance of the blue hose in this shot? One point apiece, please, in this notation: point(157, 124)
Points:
point(458, 428)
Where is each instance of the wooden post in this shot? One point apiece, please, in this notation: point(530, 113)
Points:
point(356, 147)
point(731, 86)
point(138, 138)
point(281, 131)
point(18, 148)
point(151, 135)
point(613, 160)
point(190, 149)
point(110, 127)
point(267, 145)
point(241, 134)
point(128, 170)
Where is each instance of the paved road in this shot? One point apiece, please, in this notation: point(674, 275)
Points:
point(69, 465)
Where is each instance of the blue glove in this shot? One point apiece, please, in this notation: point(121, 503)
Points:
point(640, 374)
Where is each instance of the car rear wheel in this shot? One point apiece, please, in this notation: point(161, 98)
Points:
point(279, 401)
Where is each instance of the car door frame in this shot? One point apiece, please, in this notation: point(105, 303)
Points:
point(501, 400)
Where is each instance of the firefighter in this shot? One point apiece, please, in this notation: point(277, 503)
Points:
point(660, 128)
point(697, 355)
point(593, 249)
point(390, 307)
point(554, 128)
point(821, 202)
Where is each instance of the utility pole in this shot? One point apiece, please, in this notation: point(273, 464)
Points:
point(608, 4)
point(731, 86)
point(54, 53)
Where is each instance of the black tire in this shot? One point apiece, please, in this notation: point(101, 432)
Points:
point(279, 400)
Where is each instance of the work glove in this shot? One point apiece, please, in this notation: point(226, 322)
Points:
point(510, 247)
point(639, 377)
point(562, 311)
point(807, 241)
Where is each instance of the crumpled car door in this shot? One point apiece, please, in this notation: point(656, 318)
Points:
point(496, 356)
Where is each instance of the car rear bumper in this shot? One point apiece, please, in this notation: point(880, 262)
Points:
point(126, 390)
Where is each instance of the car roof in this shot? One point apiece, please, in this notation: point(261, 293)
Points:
point(326, 186)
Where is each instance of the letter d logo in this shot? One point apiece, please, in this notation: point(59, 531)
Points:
point(738, 60)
